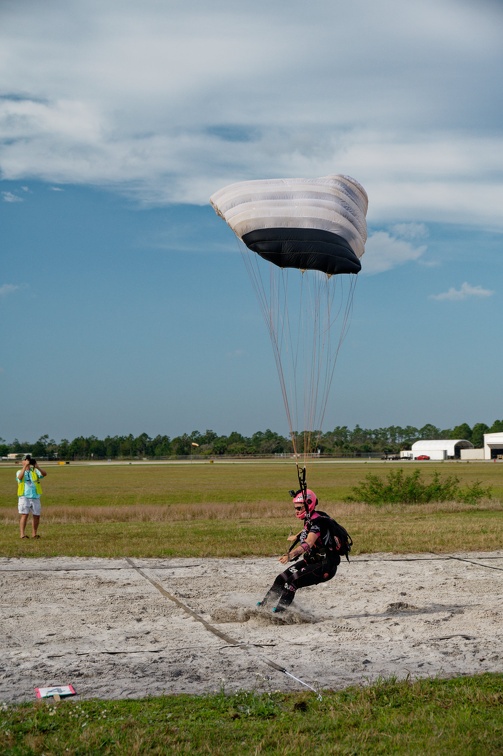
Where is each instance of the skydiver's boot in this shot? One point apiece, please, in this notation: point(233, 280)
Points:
point(271, 597)
point(285, 599)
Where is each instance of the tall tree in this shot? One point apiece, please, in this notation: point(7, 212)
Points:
point(428, 432)
point(478, 431)
point(462, 431)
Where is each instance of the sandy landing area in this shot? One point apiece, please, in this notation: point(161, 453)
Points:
point(128, 628)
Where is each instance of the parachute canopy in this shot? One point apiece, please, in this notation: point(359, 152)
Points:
point(310, 224)
point(312, 230)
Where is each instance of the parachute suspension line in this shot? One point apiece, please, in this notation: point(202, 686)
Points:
point(291, 348)
point(301, 320)
point(312, 364)
point(296, 351)
point(324, 348)
point(269, 307)
point(321, 354)
point(278, 323)
point(321, 359)
point(346, 322)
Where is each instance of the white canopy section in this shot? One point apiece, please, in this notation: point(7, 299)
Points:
point(337, 204)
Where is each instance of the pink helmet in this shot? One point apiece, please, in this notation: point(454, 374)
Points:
point(311, 500)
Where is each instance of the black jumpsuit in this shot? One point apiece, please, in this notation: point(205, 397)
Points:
point(316, 567)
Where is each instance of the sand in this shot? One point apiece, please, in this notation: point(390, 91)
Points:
point(129, 628)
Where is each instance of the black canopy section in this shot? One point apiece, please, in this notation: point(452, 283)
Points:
point(304, 248)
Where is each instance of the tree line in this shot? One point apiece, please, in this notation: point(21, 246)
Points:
point(341, 442)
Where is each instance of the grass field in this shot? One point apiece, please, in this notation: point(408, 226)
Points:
point(448, 717)
point(236, 509)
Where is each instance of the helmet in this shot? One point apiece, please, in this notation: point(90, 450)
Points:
point(311, 500)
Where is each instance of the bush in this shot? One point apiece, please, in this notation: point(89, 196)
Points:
point(400, 488)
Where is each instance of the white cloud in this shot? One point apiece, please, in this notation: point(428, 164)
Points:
point(168, 102)
point(11, 197)
point(384, 251)
point(6, 289)
point(466, 291)
point(412, 231)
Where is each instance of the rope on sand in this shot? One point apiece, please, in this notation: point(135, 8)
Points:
point(215, 630)
point(470, 561)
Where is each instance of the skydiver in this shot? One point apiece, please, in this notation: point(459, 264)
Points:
point(318, 548)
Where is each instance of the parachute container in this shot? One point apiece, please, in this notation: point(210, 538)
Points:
point(310, 224)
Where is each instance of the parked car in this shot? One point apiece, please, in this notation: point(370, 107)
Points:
point(422, 456)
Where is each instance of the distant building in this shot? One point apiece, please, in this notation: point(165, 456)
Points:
point(438, 450)
point(456, 449)
point(493, 445)
point(468, 454)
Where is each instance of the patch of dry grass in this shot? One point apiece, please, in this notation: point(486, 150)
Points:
point(110, 532)
point(241, 511)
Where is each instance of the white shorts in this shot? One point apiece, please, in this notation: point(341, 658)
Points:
point(26, 504)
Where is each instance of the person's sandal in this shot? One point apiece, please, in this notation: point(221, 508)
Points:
point(23, 537)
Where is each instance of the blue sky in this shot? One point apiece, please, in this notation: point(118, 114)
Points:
point(125, 305)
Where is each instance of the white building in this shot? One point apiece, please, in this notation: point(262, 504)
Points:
point(493, 445)
point(468, 454)
point(447, 448)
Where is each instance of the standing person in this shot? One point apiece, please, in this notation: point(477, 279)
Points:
point(320, 545)
point(29, 491)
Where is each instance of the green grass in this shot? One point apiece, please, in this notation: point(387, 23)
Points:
point(462, 716)
point(181, 485)
point(233, 510)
